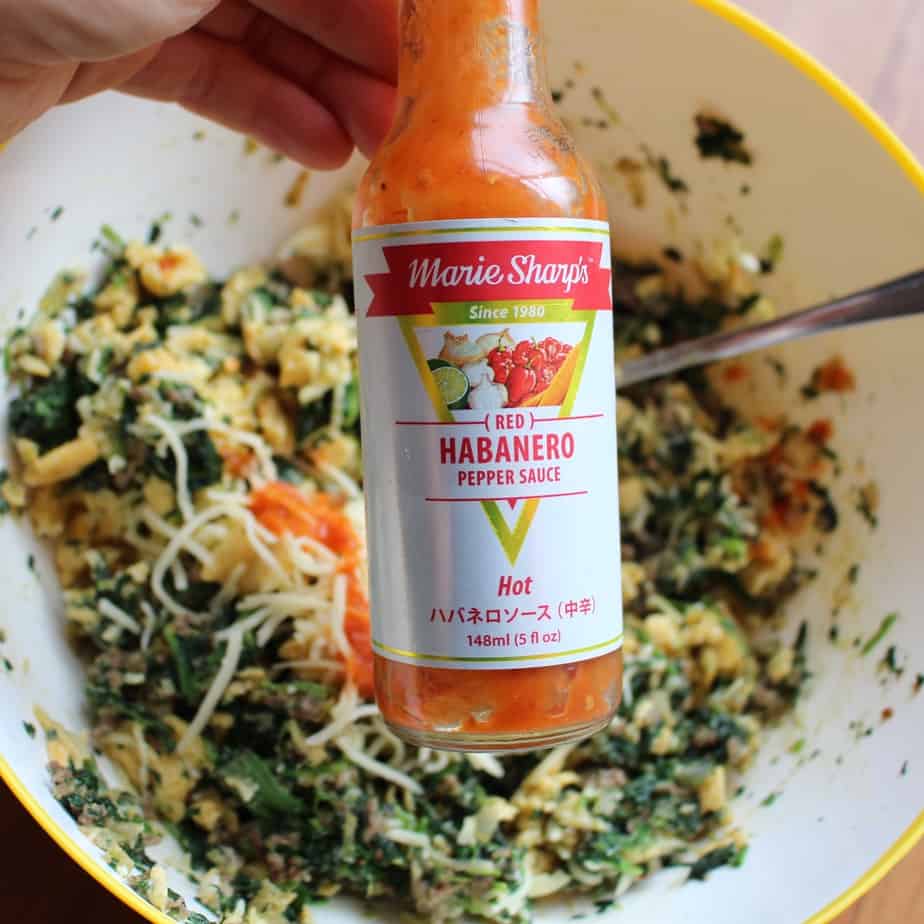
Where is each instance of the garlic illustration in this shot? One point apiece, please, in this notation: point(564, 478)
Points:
point(487, 395)
point(474, 371)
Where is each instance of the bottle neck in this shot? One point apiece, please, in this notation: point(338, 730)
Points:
point(472, 54)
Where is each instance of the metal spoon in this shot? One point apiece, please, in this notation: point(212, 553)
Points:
point(895, 299)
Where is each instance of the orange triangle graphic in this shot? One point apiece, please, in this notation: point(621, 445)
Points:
point(510, 538)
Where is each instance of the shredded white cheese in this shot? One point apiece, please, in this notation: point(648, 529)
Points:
point(160, 525)
point(339, 478)
point(409, 838)
point(118, 616)
point(487, 763)
point(286, 602)
point(157, 889)
point(259, 446)
point(309, 664)
point(375, 768)
point(229, 590)
point(257, 542)
point(216, 691)
point(172, 439)
point(266, 632)
point(150, 624)
point(173, 549)
point(243, 626)
point(340, 725)
point(316, 565)
point(142, 748)
point(178, 573)
point(383, 737)
point(336, 410)
point(338, 616)
point(433, 762)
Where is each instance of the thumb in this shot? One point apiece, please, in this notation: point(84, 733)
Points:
point(52, 32)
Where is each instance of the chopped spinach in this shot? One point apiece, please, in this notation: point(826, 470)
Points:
point(827, 516)
point(112, 242)
point(778, 368)
point(773, 254)
point(673, 254)
point(715, 859)
point(188, 307)
point(662, 167)
point(94, 478)
point(810, 391)
point(351, 407)
point(884, 628)
point(720, 139)
point(266, 794)
point(15, 335)
point(865, 508)
point(84, 795)
point(288, 471)
point(890, 662)
point(205, 464)
point(47, 414)
point(186, 684)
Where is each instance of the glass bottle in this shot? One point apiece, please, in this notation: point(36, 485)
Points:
point(490, 466)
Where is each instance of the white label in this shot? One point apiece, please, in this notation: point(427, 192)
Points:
point(489, 440)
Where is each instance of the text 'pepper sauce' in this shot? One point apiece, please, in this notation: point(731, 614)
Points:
point(483, 270)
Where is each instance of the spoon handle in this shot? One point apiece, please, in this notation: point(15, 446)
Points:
point(895, 299)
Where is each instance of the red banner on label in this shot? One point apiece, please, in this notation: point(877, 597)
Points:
point(423, 274)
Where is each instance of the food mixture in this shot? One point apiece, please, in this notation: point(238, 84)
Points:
point(190, 449)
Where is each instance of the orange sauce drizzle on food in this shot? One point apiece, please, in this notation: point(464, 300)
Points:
point(834, 376)
point(282, 509)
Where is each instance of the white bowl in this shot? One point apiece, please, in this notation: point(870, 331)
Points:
point(829, 177)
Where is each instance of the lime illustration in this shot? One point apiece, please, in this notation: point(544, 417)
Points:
point(453, 385)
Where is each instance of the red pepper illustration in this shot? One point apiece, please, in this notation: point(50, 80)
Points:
point(521, 384)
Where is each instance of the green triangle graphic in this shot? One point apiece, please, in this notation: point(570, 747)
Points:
point(511, 539)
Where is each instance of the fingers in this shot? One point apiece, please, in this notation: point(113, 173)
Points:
point(94, 78)
point(362, 31)
point(51, 32)
point(223, 82)
point(230, 20)
point(22, 100)
point(362, 103)
point(310, 78)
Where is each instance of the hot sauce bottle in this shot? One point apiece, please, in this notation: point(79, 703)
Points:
point(482, 268)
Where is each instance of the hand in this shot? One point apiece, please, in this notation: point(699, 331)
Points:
point(309, 78)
